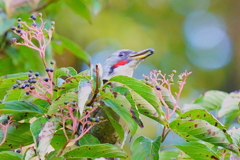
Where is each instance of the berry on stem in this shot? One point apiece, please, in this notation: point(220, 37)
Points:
point(30, 70)
point(52, 62)
point(19, 30)
point(5, 121)
point(33, 17)
point(36, 74)
point(18, 151)
point(46, 79)
point(51, 70)
point(15, 86)
point(32, 87)
point(14, 28)
point(52, 23)
point(158, 87)
point(23, 86)
point(40, 14)
point(19, 19)
point(13, 40)
point(18, 81)
point(47, 69)
point(27, 84)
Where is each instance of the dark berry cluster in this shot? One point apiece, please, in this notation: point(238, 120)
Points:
point(29, 83)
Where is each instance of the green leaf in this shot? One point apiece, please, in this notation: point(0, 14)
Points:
point(6, 25)
point(41, 103)
point(197, 124)
point(18, 135)
point(168, 155)
point(121, 106)
point(7, 81)
point(14, 94)
point(96, 151)
point(59, 140)
point(197, 150)
point(230, 104)
point(72, 83)
point(8, 155)
point(145, 148)
point(212, 100)
point(30, 153)
point(88, 139)
point(84, 92)
point(36, 128)
point(72, 71)
point(235, 134)
point(134, 110)
point(20, 109)
point(70, 46)
point(116, 125)
point(59, 102)
point(80, 8)
point(60, 72)
point(46, 135)
point(144, 96)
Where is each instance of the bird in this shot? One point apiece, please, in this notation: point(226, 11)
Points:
point(122, 62)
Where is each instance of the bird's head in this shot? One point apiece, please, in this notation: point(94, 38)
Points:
point(123, 62)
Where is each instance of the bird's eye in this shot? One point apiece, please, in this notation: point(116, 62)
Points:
point(121, 54)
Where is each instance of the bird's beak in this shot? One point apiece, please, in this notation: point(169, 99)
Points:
point(142, 54)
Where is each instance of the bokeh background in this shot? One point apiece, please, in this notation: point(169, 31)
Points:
point(201, 36)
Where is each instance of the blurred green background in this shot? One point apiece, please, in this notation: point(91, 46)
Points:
point(201, 36)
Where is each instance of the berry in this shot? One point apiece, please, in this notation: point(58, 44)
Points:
point(33, 17)
point(30, 75)
point(101, 118)
point(36, 74)
point(46, 79)
point(18, 151)
point(88, 108)
point(19, 19)
point(19, 30)
point(180, 79)
point(51, 70)
point(32, 87)
point(52, 62)
point(158, 87)
point(5, 121)
point(23, 86)
point(65, 102)
point(52, 28)
point(33, 80)
point(52, 23)
point(90, 119)
point(40, 14)
point(27, 84)
point(15, 86)
point(34, 24)
point(13, 28)
point(19, 26)
point(18, 81)
point(13, 40)
point(47, 69)
point(97, 120)
point(146, 79)
point(27, 93)
point(30, 70)
point(174, 71)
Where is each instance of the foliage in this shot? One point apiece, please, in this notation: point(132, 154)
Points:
point(44, 111)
